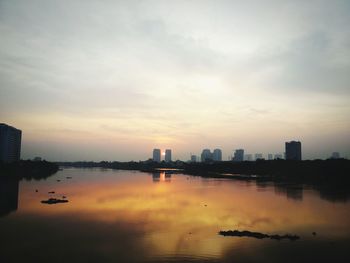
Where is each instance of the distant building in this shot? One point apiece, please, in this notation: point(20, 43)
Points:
point(37, 159)
point(293, 150)
point(335, 155)
point(248, 157)
point(193, 158)
point(10, 143)
point(206, 155)
point(258, 156)
point(278, 156)
point(167, 157)
point(217, 155)
point(238, 155)
point(156, 155)
point(270, 156)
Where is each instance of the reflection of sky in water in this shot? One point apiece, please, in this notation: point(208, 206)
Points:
point(133, 216)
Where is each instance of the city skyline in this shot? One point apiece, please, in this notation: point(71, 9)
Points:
point(112, 80)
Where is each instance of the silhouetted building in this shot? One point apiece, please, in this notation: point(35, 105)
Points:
point(8, 195)
point(217, 155)
point(156, 155)
point(238, 155)
point(206, 155)
point(10, 143)
point(270, 156)
point(258, 156)
point(167, 157)
point(37, 159)
point(335, 155)
point(193, 158)
point(293, 150)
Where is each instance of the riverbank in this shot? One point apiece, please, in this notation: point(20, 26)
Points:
point(28, 169)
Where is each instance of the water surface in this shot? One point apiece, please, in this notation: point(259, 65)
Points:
point(127, 216)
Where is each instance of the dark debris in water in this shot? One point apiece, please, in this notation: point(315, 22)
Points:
point(236, 233)
point(52, 201)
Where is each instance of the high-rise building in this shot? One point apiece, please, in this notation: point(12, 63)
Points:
point(217, 155)
point(156, 155)
point(193, 158)
point(270, 156)
point(206, 155)
point(167, 157)
point(293, 150)
point(238, 155)
point(10, 143)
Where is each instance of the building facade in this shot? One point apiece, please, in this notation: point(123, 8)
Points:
point(217, 155)
point(167, 157)
point(206, 155)
point(293, 150)
point(10, 143)
point(238, 155)
point(156, 155)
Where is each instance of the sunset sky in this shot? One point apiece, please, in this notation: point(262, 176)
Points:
point(111, 80)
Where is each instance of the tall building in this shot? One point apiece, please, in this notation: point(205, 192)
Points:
point(270, 156)
point(10, 143)
point(156, 155)
point(293, 150)
point(217, 155)
point(167, 157)
point(206, 155)
point(238, 155)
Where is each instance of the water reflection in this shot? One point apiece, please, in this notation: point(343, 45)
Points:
point(8, 195)
point(161, 176)
point(124, 216)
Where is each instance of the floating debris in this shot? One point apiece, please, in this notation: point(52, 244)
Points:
point(64, 197)
point(52, 192)
point(36, 190)
point(236, 233)
point(314, 233)
point(69, 177)
point(52, 201)
point(58, 180)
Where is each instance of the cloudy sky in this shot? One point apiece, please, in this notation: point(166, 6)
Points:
point(111, 80)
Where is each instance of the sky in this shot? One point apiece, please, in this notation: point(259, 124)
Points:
point(111, 80)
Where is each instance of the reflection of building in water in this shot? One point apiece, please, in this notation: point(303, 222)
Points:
point(162, 176)
point(8, 195)
point(292, 191)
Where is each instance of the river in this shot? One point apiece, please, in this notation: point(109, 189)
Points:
point(131, 216)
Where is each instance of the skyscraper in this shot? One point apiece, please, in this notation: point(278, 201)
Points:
point(206, 155)
point(238, 155)
point(156, 155)
point(167, 157)
point(217, 155)
point(10, 143)
point(293, 150)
